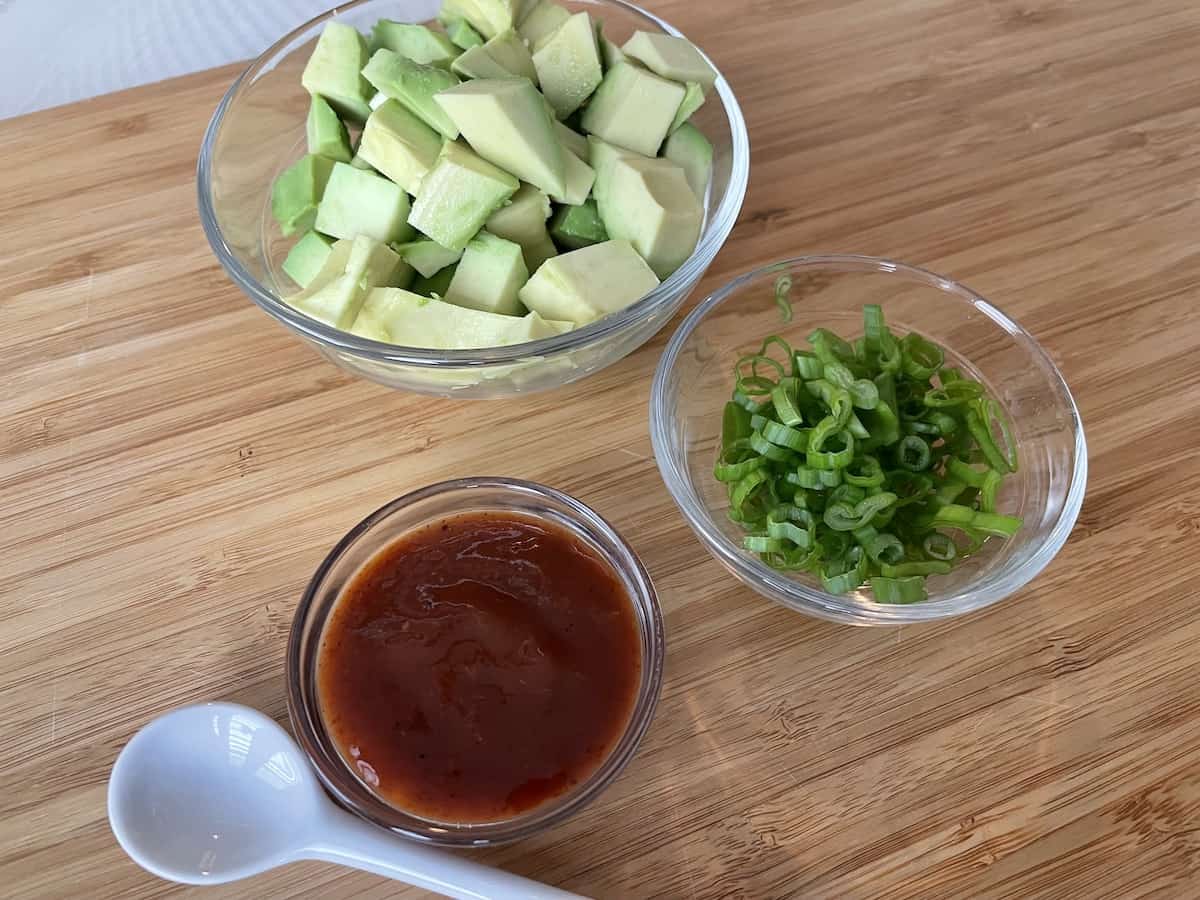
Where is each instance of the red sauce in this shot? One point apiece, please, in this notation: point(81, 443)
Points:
point(479, 666)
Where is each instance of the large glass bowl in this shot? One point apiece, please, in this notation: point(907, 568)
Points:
point(694, 380)
point(258, 130)
point(376, 532)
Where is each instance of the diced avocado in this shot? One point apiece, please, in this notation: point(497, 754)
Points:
point(377, 100)
point(369, 264)
point(586, 284)
point(306, 257)
point(297, 193)
point(610, 53)
point(411, 320)
point(523, 221)
point(505, 122)
point(375, 264)
point(415, 42)
point(489, 275)
point(414, 86)
point(462, 34)
point(602, 155)
point(671, 57)
point(333, 267)
point(568, 64)
point(633, 108)
point(510, 52)
point(578, 226)
point(478, 63)
point(572, 141)
point(690, 149)
point(399, 145)
point(427, 257)
point(336, 304)
point(458, 195)
point(327, 135)
point(580, 178)
point(650, 204)
point(333, 71)
point(693, 99)
point(436, 285)
point(488, 17)
point(359, 202)
point(359, 163)
point(538, 251)
point(541, 19)
point(533, 328)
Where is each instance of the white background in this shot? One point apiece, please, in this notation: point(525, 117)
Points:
point(57, 51)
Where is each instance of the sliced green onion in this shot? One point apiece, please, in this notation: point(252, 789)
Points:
point(864, 471)
point(808, 366)
point(989, 489)
point(921, 358)
point(967, 474)
point(910, 589)
point(785, 406)
point(784, 436)
point(765, 448)
point(729, 472)
point(837, 458)
point(939, 546)
point(783, 287)
point(735, 423)
point(913, 453)
point(965, 517)
point(761, 543)
point(885, 548)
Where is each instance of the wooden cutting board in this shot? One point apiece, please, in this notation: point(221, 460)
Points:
point(173, 465)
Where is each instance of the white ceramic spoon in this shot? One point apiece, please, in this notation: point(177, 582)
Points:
point(217, 792)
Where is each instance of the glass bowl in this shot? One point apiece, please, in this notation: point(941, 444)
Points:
point(378, 530)
point(258, 130)
point(694, 380)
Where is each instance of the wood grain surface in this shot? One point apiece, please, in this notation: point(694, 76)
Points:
point(173, 465)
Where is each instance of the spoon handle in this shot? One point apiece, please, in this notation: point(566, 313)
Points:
point(349, 841)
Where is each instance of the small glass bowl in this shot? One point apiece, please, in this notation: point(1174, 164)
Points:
point(383, 527)
point(694, 380)
point(258, 130)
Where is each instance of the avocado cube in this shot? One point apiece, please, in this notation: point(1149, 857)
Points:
point(568, 64)
point(488, 17)
point(411, 320)
point(415, 42)
point(458, 195)
point(325, 132)
point(610, 53)
point(414, 85)
point(633, 108)
point(297, 193)
point(650, 204)
point(690, 149)
point(587, 284)
point(333, 71)
point(359, 202)
point(523, 221)
point(579, 180)
point(333, 266)
point(306, 257)
point(510, 52)
point(478, 63)
point(462, 34)
point(399, 145)
point(572, 141)
point(369, 264)
point(578, 226)
point(671, 57)
point(359, 163)
point(601, 156)
point(427, 257)
point(693, 99)
point(541, 19)
point(436, 285)
point(489, 275)
point(505, 122)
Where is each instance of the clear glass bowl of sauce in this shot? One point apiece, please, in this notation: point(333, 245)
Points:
point(475, 661)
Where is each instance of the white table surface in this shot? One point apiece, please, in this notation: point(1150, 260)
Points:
point(58, 51)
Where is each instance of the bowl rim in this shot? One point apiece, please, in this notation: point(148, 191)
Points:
point(812, 600)
point(667, 292)
point(330, 767)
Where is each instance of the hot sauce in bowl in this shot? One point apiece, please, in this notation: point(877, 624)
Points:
point(479, 666)
point(475, 661)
